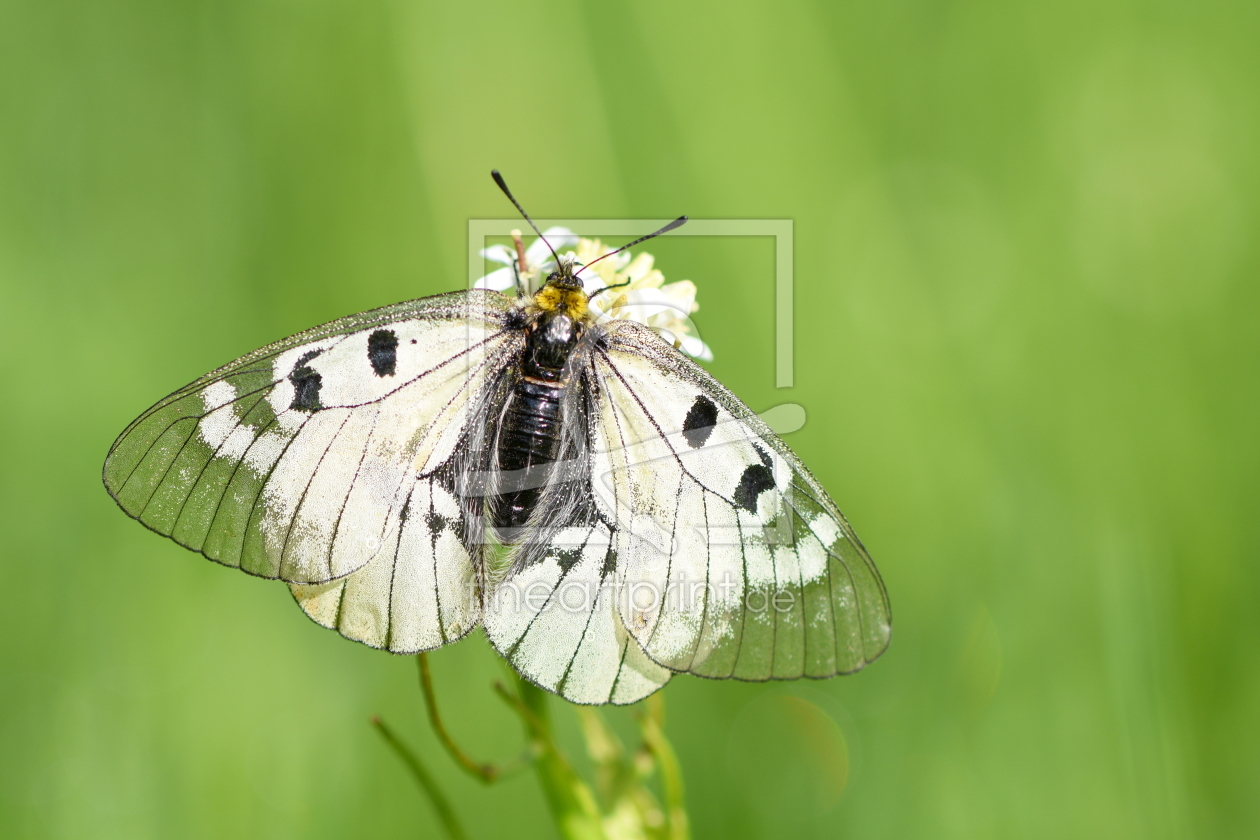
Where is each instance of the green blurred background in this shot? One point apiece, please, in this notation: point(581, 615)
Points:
point(1025, 335)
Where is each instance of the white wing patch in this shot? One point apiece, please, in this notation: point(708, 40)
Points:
point(370, 364)
point(417, 593)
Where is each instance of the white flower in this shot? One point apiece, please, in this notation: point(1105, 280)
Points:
point(538, 261)
point(640, 294)
point(645, 296)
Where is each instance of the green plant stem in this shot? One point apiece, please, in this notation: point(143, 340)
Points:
point(571, 801)
point(652, 725)
point(612, 772)
point(486, 773)
point(427, 784)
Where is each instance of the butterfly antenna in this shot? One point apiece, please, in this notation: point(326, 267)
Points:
point(498, 179)
point(677, 223)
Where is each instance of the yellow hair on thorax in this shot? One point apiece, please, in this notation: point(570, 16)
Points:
point(575, 304)
point(548, 298)
point(570, 301)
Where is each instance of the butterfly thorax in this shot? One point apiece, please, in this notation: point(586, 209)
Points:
point(550, 338)
point(533, 423)
point(563, 292)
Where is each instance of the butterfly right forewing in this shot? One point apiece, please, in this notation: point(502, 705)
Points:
point(735, 562)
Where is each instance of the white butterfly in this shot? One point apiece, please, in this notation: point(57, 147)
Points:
point(610, 513)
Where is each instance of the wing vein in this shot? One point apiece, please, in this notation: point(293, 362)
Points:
point(297, 511)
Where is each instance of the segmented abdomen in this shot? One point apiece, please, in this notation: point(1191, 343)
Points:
point(532, 427)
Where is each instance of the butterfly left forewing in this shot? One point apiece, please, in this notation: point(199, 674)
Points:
point(288, 462)
point(735, 561)
point(425, 585)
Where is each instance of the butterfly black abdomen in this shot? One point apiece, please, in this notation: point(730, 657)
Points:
point(529, 441)
point(528, 444)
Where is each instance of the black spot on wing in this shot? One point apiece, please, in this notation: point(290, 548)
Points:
point(436, 523)
point(756, 480)
point(610, 563)
point(764, 456)
point(567, 557)
point(383, 352)
point(700, 421)
point(306, 384)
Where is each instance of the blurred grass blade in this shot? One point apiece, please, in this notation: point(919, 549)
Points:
point(486, 773)
point(427, 784)
point(652, 725)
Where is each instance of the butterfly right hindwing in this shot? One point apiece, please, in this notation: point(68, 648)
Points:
point(556, 620)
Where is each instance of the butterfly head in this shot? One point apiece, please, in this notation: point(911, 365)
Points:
point(563, 293)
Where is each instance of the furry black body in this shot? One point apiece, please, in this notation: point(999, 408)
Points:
point(533, 421)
